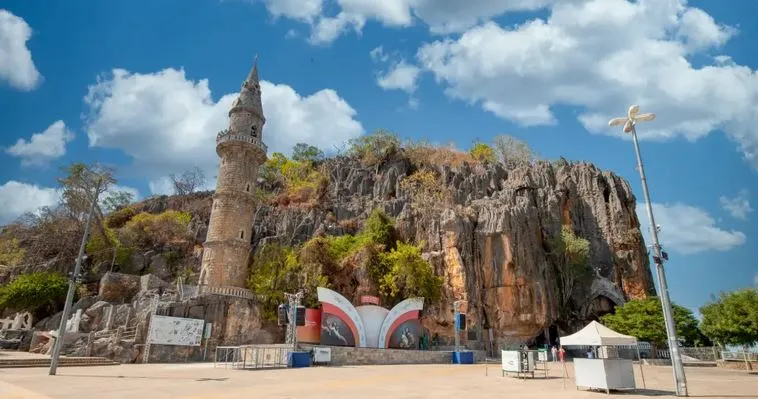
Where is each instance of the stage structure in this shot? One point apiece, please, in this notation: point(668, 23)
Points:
point(606, 372)
point(368, 325)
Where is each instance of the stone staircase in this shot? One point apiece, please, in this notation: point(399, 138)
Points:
point(63, 362)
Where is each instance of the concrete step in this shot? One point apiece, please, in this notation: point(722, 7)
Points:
point(63, 362)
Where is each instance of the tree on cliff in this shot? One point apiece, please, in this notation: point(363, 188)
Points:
point(571, 254)
point(643, 318)
point(513, 152)
point(303, 152)
point(83, 183)
point(732, 319)
point(188, 182)
point(482, 152)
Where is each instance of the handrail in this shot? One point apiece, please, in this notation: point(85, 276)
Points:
point(226, 135)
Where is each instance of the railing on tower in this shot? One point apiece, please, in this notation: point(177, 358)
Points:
point(226, 135)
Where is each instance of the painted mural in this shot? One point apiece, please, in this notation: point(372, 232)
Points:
point(369, 326)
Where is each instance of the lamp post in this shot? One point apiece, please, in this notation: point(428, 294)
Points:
point(629, 122)
point(72, 284)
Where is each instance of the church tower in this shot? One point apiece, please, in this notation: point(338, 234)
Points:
point(241, 149)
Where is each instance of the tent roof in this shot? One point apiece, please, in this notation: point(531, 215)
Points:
point(599, 335)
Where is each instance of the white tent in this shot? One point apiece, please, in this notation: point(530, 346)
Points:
point(603, 373)
point(596, 334)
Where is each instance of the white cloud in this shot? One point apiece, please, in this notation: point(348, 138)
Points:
point(688, 230)
point(442, 16)
point(399, 75)
point(17, 198)
point(739, 206)
point(16, 65)
point(602, 56)
point(43, 147)
point(302, 10)
point(168, 123)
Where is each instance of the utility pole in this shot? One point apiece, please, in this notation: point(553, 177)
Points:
point(630, 126)
point(72, 284)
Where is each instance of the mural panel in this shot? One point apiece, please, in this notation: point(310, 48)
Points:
point(406, 335)
point(335, 332)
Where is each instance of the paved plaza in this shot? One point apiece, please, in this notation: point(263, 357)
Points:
point(203, 381)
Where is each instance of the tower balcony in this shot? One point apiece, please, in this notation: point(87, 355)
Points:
point(227, 135)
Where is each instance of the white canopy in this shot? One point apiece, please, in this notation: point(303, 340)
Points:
point(598, 335)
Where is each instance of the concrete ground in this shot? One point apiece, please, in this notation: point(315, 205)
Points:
point(201, 381)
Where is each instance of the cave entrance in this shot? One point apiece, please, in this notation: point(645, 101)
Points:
point(548, 337)
point(600, 306)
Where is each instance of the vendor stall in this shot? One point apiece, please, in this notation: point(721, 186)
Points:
point(604, 370)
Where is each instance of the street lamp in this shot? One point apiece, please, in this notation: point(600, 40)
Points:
point(629, 122)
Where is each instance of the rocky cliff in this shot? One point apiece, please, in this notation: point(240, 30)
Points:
point(489, 236)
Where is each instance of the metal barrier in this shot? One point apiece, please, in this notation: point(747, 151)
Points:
point(740, 356)
point(252, 356)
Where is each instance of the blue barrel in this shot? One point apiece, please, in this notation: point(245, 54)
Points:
point(463, 357)
point(298, 359)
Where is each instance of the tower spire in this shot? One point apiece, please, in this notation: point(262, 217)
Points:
point(253, 76)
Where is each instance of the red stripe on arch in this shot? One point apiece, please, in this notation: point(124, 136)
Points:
point(413, 314)
point(329, 308)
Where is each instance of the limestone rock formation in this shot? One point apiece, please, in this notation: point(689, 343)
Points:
point(490, 242)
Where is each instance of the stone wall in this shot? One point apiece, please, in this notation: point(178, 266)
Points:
point(348, 356)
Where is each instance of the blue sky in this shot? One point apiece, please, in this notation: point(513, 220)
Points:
point(144, 85)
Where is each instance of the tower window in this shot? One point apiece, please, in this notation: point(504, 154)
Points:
point(253, 130)
point(242, 234)
point(247, 188)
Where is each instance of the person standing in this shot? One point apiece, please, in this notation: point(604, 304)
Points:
point(554, 353)
point(562, 354)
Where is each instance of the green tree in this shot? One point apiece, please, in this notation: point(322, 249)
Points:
point(732, 318)
point(379, 228)
point(41, 294)
point(82, 184)
point(374, 148)
point(571, 254)
point(482, 152)
point(303, 152)
point(117, 200)
point(277, 270)
point(643, 318)
point(408, 275)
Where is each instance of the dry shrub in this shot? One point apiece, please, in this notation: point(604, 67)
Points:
point(426, 188)
point(424, 154)
point(350, 226)
point(148, 230)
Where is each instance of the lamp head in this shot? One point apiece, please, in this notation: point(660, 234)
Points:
point(628, 126)
point(633, 111)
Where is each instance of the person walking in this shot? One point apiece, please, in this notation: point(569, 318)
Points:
point(562, 354)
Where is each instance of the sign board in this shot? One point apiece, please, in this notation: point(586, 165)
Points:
point(166, 330)
point(510, 360)
point(542, 356)
point(322, 355)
